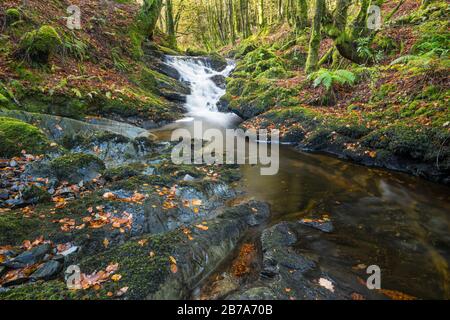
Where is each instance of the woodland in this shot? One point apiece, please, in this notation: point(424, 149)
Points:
point(92, 207)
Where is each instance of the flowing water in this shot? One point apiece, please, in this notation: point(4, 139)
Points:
point(395, 221)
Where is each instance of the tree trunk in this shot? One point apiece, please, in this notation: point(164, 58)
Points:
point(314, 42)
point(302, 14)
point(170, 24)
point(148, 16)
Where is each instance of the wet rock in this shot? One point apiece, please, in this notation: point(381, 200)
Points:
point(15, 202)
point(151, 278)
point(29, 257)
point(223, 104)
point(257, 293)
point(325, 226)
point(289, 272)
point(216, 62)
point(76, 167)
point(149, 124)
point(188, 178)
point(219, 80)
point(3, 271)
point(173, 96)
point(15, 282)
point(69, 251)
point(165, 69)
point(4, 195)
point(60, 258)
point(158, 220)
point(47, 271)
point(260, 212)
point(34, 194)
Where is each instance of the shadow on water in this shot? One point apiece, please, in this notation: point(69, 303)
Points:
point(392, 220)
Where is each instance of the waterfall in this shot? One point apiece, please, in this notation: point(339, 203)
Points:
point(205, 94)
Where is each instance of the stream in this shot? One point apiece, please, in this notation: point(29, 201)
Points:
point(395, 221)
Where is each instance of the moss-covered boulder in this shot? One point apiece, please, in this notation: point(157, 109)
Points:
point(16, 136)
point(12, 15)
point(34, 194)
point(76, 167)
point(217, 62)
point(39, 44)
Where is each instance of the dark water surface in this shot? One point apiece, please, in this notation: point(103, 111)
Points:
point(389, 219)
point(395, 221)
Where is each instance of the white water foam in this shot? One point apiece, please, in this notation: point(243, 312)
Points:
point(202, 102)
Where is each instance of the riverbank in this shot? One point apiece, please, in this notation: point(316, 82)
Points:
point(394, 114)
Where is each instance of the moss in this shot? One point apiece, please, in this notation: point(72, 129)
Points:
point(64, 105)
point(14, 228)
point(86, 140)
point(123, 172)
point(39, 44)
point(195, 52)
point(50, 290)
point(135, 182)
point(245, 49)
point(4, 102)
point(383, 91)
point(12, 15)
point(17, 136)
point(68, 167)
point(401, 140)
point(34, 194)
point(217, 61)
point(140, 272)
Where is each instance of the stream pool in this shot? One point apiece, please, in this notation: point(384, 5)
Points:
point(389, 219)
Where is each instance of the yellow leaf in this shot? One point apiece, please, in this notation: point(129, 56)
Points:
point(116, 277)
point(106, 243)
point(142, 242)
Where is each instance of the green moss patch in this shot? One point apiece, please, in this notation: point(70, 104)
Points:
point(17, 136)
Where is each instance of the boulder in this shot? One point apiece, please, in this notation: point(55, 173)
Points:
point(47, 271)
point(29, 257)
point(219, 80)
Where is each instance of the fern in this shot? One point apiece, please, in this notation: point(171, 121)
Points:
point(329, 78)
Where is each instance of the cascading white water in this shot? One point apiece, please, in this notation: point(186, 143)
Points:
point(202, 102)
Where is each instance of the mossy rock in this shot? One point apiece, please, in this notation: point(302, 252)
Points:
point(50, 290)
point(195, 52)
point(244, 50)
point(16, 135)
point(14, 228)
point(217, 62)
point(39, 44)
point(34, 194)
point(76, 167)
point(401, 140)
point(12, 16)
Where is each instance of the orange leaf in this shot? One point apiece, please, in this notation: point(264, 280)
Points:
point(201, 227)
